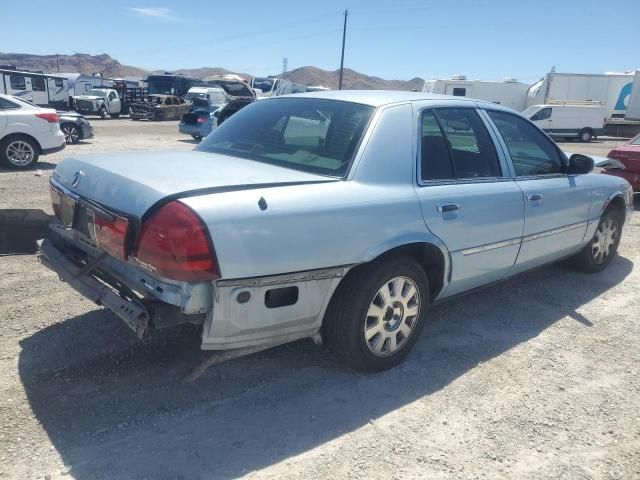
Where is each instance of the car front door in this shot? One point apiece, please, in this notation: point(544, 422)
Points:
point(556, 204)
point(468, 199)
point(114, 103)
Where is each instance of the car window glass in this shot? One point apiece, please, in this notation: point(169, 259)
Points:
point(532, 153)
point(471, 149)
point(635, 141)
point(6, 104)
point(542, 114)
point(459, 92)
point(312, 135)
point(58, 82)
point(112, 96)
point(435, 161)
point(37, 84)
point(17, 83)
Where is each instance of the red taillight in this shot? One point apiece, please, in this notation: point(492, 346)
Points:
point(202, 119)
point(110, 234)
point(49, 117)
point(174, 243)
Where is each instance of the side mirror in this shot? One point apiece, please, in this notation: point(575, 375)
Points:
point(580, 164)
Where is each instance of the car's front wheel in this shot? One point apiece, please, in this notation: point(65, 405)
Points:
point(104, 114)
point(599, 252)
point(585, 135)
point(19, 152)
point(376, 315)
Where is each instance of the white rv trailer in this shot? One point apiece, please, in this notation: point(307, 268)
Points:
point(613, 90)
point(79, 84)
point(508, 92)
point(42, 89)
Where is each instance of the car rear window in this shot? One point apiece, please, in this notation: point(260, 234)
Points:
point(308, 134)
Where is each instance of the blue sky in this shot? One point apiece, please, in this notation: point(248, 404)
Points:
point(486, 39)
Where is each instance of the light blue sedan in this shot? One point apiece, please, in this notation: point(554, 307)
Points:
point(339, 216)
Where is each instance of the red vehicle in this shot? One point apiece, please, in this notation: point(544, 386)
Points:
point(629, 155)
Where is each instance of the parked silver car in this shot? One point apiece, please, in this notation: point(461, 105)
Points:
point(339, 215)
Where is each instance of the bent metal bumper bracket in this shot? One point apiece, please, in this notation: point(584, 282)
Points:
point(134, 313)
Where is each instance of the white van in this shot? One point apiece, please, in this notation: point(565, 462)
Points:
point(581, 121)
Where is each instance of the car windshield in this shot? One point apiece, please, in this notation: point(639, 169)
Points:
point(96, 93)
point(529, 112)
point(308, 134)
point(264, 84)
point(213, 97)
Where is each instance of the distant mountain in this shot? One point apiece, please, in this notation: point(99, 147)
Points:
point(351, 80)
point(110, 67)
point(76, 63)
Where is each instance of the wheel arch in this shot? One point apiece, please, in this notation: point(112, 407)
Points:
point(429, 252)
point(20, 134)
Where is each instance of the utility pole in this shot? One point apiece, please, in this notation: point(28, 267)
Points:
point(57, 63)
point(344, 35)
point(285, 60)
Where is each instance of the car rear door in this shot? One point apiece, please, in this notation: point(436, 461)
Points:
point(467, 196)
point(556, 205)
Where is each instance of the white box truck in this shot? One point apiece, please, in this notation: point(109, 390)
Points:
point(583, 121)
point(508, 92)
point(612, 90)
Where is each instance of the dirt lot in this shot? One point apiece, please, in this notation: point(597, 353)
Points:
point(536, 378)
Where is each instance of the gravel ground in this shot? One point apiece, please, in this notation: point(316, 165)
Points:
point(535, 378)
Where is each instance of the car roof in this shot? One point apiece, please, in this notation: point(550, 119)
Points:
point(378, 98)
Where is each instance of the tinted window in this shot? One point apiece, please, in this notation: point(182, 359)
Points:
point(17, 83)
point(541, 114)
point(436, 164)
point(37, 84)
point(532, 153)
point(463, 137)
point(308, 134)
point(459, 92)
point(6, 104)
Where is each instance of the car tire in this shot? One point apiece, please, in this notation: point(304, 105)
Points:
point(71, 133)
point(158, 116)
point(377, 313)
point(585, 135)
point(103, 114)
point(601, 249)
point(197, 138)
point(19, 152)
point(114, 115)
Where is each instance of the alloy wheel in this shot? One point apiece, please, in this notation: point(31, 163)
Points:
point(392, 316)
point(20, 153)
point(71, 134)
point(604, 239)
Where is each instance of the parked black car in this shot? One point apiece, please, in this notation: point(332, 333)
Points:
point(75, 127)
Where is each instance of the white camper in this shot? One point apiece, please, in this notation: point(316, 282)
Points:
point(508, 92)
point(42, 89)
point(612, 90)
point(584, 120)
point(80, 84)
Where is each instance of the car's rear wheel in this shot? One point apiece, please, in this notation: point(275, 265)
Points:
point(376, 315)
point(115, 115)
point(599, 252)
point(19, 152)
point(103, 113)
point(585, 135)
point(71, 133)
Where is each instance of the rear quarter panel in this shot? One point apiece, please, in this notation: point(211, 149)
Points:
point(308, 227)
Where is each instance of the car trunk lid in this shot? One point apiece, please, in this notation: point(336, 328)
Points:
point(131, 183)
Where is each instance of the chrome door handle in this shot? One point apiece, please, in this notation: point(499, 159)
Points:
point(448, 207)
point(534, 197)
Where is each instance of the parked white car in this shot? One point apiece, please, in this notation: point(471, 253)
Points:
point(26, 132)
